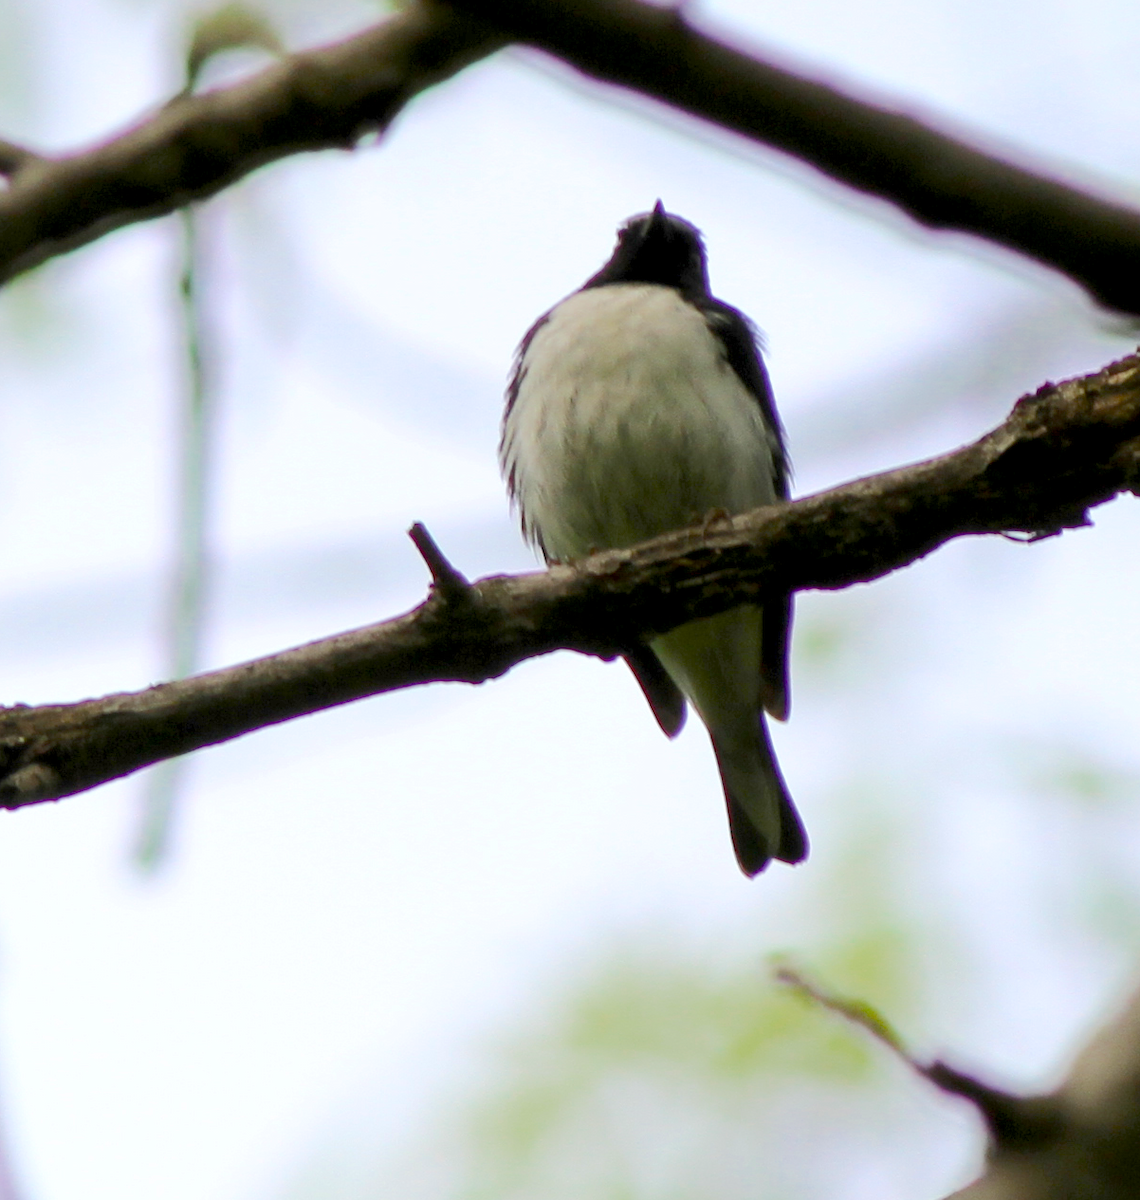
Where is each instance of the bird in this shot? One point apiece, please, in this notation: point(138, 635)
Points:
point(638, 405)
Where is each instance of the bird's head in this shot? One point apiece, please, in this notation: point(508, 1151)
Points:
point(657, 247)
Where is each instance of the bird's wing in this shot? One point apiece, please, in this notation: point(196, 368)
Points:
point(664, 696)
point(740, 341)
point(508, 452)
point(775, 629)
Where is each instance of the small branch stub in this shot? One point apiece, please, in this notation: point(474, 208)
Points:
point(449, 583)
point(14, 158)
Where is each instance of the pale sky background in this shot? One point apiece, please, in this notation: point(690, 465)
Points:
point(358, 902)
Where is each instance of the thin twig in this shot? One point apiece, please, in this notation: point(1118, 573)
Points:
point(1014, 1122)
point(858, 1012)
point(190, 584)
point(449, 582)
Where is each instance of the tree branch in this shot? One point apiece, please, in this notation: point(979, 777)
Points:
point(196, 145)
point(1062, 450)
point(328, 98)
point(939, 181)
point(1081, 1140)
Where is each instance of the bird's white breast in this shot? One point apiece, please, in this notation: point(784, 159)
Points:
point(628, 421)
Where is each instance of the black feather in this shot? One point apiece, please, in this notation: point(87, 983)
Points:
point(753, 851)
point(665, 698)
point(775, 629)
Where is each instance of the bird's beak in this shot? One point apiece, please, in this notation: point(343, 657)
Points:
point(657, 224)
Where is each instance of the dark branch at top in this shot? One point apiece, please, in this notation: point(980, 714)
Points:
point(1061, 450)
point(938, 180)
point(197, 145)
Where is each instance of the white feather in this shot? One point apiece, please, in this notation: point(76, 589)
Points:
point(628, 422)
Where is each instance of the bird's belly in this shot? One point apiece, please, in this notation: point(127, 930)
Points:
point(628, 457)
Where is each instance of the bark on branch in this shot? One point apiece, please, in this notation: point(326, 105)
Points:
point(1062, 450)
point(939, 181)
point(197, 145)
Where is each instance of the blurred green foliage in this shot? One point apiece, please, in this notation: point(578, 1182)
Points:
point(646, 1044)
point(1078, 776)
point(677, 1036)
point(666, 1069)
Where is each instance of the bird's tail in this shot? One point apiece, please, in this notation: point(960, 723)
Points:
point(761, 816)
point(715, 661)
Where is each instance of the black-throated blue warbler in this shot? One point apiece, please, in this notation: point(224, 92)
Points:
point(638, 405)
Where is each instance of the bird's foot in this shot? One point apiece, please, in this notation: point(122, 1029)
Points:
point(713, 517)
